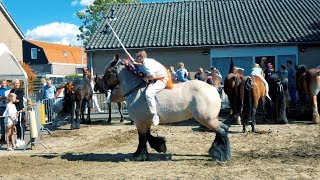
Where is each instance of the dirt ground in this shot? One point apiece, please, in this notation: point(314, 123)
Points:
point(102, 151)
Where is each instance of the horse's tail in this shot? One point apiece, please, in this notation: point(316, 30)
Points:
point(247, 99)
point(236, 95)
point(68, 99)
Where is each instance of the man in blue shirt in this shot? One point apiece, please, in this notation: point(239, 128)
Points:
point(49, 92)
point(4, 91)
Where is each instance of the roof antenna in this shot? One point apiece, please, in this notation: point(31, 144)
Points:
point(112, 16)
point(110, 30)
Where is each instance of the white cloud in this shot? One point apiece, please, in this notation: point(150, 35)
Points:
point(57, 32)
point(86, 2)
point(74, 2)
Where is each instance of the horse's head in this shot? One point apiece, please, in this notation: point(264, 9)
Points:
point(110, 77)
point(301, 82)
point(99, 84)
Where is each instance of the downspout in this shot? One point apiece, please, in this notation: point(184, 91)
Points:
point(90, 64)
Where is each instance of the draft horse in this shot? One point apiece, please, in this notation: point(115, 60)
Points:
point(100, 86)
point(254, 91)
point(278, 88)
point(78, 96)
point(308, 84)
point(186, 100)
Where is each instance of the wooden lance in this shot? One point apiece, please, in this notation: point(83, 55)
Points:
point(115, 34)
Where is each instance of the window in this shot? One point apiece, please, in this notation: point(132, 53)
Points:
point(34, 53)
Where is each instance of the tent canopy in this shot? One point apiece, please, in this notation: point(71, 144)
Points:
point(9, 66)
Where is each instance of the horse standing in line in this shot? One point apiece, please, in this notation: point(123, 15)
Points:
point(78, 96)
point(254, 90)
point(186, 100)
point(308, 83)
point(278, 88)
point(114, 97)
point(234, 91)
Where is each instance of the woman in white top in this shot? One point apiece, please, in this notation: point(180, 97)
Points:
point(257, 71)
point(10, 120)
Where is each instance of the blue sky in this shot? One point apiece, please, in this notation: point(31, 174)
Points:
point(49, 20)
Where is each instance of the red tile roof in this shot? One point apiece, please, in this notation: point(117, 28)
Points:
point(57, 53)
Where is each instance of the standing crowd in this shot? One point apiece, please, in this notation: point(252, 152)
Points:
point(12, 113)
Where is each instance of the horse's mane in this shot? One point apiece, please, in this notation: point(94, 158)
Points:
point(302, 68)
point(135, 70)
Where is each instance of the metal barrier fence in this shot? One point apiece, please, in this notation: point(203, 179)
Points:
point(51, 106)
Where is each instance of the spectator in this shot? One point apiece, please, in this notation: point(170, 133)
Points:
point(200, 75)
point(94, 97)
point(49, 92)
point(292, 83)
point(263, 62)
point(182, 73)
point(283, 71)
point(173, 73)
point(216, 71)
point(4, 91)
point(11, 119)
point(43, 82)
point(209, 80)
point(240, 71)
point(21, 124)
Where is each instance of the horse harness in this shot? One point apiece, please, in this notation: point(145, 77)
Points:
point(114, 69)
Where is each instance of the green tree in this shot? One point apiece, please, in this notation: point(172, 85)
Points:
point(93, 15)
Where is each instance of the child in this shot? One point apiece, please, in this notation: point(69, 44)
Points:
point(10, 120)
point(182, 73)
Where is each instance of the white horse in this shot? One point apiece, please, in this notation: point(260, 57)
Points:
point(186, 100)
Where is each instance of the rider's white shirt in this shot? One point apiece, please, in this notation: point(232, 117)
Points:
point(152, 66)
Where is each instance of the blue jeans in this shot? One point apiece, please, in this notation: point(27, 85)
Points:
point(3, 130)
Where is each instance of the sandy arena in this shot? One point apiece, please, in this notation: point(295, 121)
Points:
point(102, 151)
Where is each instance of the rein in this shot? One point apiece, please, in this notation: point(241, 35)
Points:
point(131, 69)
point(134, 89)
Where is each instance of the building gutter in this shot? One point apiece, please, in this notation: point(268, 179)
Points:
point(208, 46)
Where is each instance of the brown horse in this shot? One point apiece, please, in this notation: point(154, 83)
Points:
point(254, 90)
point(232, 88)
point(308, 83)
point(100, 86)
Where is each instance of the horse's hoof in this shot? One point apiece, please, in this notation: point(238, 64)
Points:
point(141, 156)
point(121, 120)
point(109, 122)
point(220, 149)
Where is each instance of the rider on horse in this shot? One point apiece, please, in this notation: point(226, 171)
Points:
point(257, 71)
point(157, 73)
